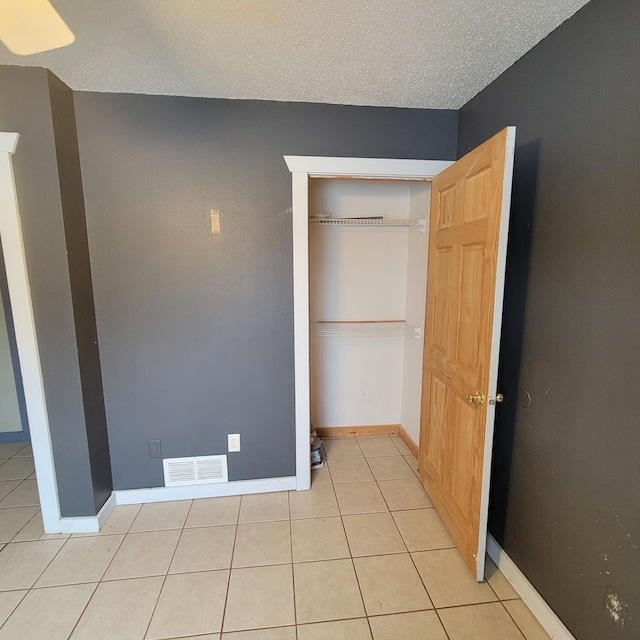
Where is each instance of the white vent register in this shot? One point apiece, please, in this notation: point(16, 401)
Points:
point(195, 470)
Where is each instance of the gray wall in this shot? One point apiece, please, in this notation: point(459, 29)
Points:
point(565, 502)
point(25, 108)
point(196, 330)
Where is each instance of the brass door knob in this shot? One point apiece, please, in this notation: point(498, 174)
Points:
point(477, 397)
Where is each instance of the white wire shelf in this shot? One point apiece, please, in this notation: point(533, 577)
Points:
point(371, 222)
point(366, 329)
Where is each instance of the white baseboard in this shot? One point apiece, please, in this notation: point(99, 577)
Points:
point(536, 603)
point(213, 490)
point(88, 524)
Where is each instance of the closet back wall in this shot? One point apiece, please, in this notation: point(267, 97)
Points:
point(196, 329)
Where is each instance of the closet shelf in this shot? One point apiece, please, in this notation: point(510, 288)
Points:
point(371, 222)
point(366, 329)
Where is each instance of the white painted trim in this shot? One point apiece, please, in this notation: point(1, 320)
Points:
point(26, 337)
point(214, 490)
point(302, 168)
point(376, 168)
point(536, 603)
point(89, 524)
point(494, 356)
point(300, 186)
point(106, 510)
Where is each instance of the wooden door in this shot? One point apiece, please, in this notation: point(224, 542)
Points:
point(465, 280)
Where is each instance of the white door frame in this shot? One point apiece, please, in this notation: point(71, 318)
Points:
point(26, 338)
point(302, 168)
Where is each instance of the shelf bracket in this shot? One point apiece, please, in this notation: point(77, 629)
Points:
point(423, 224)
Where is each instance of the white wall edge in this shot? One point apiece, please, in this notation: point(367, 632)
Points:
point(536, 603)
point(212, 490)
point(26, 337)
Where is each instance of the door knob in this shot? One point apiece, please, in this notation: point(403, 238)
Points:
point(499, 398)
point(477, 398)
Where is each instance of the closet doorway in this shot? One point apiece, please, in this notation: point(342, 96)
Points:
point(467, 219)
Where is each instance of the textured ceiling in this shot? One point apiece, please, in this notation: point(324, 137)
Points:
point(406, 53)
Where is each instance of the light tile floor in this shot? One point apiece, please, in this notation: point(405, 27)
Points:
point(361, 556)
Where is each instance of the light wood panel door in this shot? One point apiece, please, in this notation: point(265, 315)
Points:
point(465, 281)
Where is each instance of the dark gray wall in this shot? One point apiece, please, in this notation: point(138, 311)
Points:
point(75, 229)
point(196, 330)
point(25, 108)
point(566, 479)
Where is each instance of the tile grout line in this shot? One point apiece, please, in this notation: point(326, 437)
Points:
point(293, 573)
point(164, 578)
point(233, 550)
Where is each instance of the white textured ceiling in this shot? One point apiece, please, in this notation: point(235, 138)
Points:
point(406, 53)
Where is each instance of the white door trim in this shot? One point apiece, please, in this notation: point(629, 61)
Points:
point(302, 168)
point(494, 356)
point(26, 337)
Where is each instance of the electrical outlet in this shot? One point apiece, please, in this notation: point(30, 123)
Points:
point(155, 449)
point(234, 442)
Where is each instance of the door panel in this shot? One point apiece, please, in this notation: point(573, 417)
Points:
point(469, 213)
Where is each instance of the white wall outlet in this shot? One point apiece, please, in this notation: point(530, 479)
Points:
point(234, 442)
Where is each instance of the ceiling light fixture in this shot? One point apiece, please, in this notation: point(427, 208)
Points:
point(32, 26)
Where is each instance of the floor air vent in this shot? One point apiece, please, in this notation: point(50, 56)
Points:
point(197, 470)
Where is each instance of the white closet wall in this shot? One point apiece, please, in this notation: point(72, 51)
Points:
point(367, 273)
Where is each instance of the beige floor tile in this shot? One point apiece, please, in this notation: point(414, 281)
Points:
point(449, 580)
point(24, 495)
point(417, 625)
point(9, 600)
point(359, 497)
point(7, 486)
point(390, 584)
point(321, 476)
point(13, 520)
point(412, 461)
point(161, 515)
point(318, 539)
point(262, 543)
point(21, 563)
point(33, 530)
point(81, 560)
point(423, 530)
point(260, 597)
point(8, 449)
point(210, 512)
point(405, 494)
point(143, 554)
point(121, 519)
point(17, 469)
point(390, 468)
point(318, 502)
point(350, 470)
point(281, 633)
point(264, 507)
point(190, 604)
point(326, 590)
point(500, 585)
point(119, 610)
point(401, 445)
point(356, 629)
point(373, 534)
point(376, 446)
point(480, 622)
point(25, 452)
point(208, 636)
point(525, 620)
point(204, 549)
point(337, 448)
point(47, 613)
